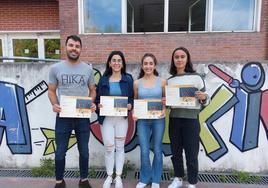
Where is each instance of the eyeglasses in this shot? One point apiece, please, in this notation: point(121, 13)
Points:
point(119, 61)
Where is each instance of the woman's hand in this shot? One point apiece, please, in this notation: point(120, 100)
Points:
point(164, 101)
point(93, 107)
point(129, 106)
point(163, 113)
point(134, 117)
point(201, 96)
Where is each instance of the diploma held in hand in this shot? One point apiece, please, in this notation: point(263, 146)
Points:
point(113, 106)
point(181, 96)
point(75, 106)
point(148, 109)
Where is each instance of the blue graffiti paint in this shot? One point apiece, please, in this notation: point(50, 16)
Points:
point(246, 119)
point(15, 121)
point(222, 150)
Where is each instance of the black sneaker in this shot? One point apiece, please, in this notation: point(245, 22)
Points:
point(84, 184)
point(60, 185)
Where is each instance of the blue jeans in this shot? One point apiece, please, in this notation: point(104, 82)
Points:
point(148, 128)
point(64, 127)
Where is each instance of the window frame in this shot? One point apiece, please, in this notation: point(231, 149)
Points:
point(256, 19)
point(208, 20)
point(7, 41)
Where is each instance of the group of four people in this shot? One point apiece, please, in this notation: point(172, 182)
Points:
point(75, 78)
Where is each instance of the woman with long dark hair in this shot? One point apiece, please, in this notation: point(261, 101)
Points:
point(150, 86)
point(184, 126)
point(115, 82)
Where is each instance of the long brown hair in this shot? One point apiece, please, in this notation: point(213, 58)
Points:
point(108, 71)
point(189, 65)
point(141, 74)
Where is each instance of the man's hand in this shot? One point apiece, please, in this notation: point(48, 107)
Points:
point(56, 108)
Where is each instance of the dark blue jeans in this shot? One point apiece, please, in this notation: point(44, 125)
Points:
point(147, 129)
point(64, 127)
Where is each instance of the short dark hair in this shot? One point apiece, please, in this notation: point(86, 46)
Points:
point(141, 74)
point(73, 37)
point(108, 71)
point(189, 65)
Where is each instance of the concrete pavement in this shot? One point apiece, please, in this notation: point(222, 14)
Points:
point(11, 182)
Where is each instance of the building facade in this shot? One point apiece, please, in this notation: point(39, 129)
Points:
point(29, 28)
point(225, 34)
point(213, 30)
point(225, 30)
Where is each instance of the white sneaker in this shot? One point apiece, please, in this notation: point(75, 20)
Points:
point(176, 183)
point(141, 185)
point(118, 182)
point(155, 185)
point(191, 186)
point(107, 183)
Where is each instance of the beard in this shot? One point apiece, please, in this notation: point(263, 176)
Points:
point(73, 57)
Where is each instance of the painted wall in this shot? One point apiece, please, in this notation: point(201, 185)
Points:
point(234, 127)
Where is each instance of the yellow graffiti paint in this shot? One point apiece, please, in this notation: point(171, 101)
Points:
point(220, 98)
point(51, 142)
point(166, 139)
point(97, 75)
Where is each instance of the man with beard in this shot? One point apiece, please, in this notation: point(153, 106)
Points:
point(71, 78)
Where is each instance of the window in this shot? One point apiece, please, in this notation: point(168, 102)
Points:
point(102, 16)
point(30, 45)
point(233, 15)
point(52, 48)
point(198, 16)
point(25, 48)
point(130, 16)
point(187, 15)
point(148, 15)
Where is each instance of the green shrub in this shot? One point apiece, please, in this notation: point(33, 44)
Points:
point(223, 178)
point(92, 173)
point(47, 168)
point(256, 179)
point(242, 177)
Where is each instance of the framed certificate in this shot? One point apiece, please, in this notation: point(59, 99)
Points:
point(113, 106)
point(182, 96)
point(147, 109)
point(75, 106)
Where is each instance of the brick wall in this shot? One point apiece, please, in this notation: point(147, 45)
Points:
point(26, 15)
point(264, 24)
point(203, 46)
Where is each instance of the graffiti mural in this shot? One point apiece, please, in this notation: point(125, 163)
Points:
point(51, 142)
point(249, 105)
point(13, 115)
point(246, 101)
